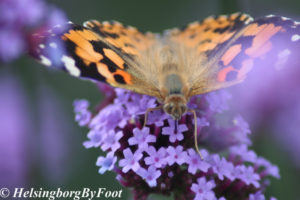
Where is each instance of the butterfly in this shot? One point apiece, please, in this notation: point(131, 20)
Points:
point(215, 53)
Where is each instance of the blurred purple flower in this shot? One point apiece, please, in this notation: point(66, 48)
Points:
point(111, 141)
point(82, 114)
point(152, 159)
point(221, 167)
point(106, 163)
point(247, 175)
point(12, 47)
point(19, 19)
point(259, 196)
point(54, 128)
point(14, 130)
point(95, 137)
point(270, 100)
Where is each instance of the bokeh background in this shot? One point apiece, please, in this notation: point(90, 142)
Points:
point(40, 143)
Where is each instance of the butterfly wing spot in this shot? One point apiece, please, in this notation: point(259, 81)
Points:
point(295, 38)
point(126, 77)
point(114, 57)
point(45, 61)
point(84, 47)
point(231, 53)
point(70, 66)
point(285, 18)
point(227, 74)
point(118, 78)
point(283, 57)
point(42, 46)
point(53, 45)
point(247, 66)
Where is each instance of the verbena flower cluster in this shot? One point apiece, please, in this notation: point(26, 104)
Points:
point(19, 20)
point(160, 157)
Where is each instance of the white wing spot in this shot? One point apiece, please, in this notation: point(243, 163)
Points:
point(285, 18)
point(42, 46)
point(53, 45)
point(269, 16)
point(70, 65)
point(295, 37)
point(296, 23)
point(45, 61)
point(131, 28)
point(282, 58)
point(105, 23)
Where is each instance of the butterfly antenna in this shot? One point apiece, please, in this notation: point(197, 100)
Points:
point(147, 112)
point(195, 133)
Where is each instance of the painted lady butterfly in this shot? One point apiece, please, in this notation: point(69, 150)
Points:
point(201, 57)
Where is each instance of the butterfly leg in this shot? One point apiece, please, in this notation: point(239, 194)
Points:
point(195, 132)
point(147, 112)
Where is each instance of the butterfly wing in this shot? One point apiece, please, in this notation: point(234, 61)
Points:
point(107, 52)
point(228, 47)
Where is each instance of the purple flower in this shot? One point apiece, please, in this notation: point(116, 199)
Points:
point(141, 138)
point(111, 141)
point(244, 153)
point(175, 133)
point(269, 169)
point(218, 101)
point(247, 175)
point(109, 118)
point(14, 133)
point(176, 155)
point(221, 167)
point(10, 48)
point(106, 163)
point(171, 155)
point(95, 137)
point(157, 117)
point(139, 104)
point(82, 114)
point(81, 105)
point(150, 175)
point(257, 196)
point(130, 161)
point(203, 189)
point(195, 163)
point(156, 158)
point(20, 15)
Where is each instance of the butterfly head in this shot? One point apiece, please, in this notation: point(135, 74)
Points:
point(175, 105)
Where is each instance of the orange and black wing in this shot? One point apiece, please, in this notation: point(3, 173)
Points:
point(107, 52)
point(232, 46)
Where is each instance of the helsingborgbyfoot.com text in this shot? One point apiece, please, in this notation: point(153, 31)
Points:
point(40, 193)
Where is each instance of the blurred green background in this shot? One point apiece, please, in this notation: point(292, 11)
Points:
point(62, 161)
